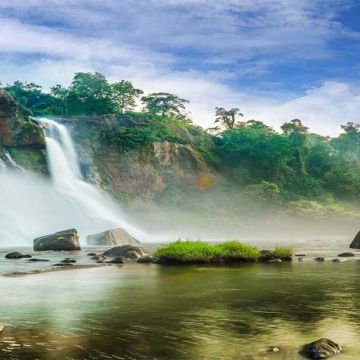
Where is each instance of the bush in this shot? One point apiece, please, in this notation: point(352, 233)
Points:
point(281, 252)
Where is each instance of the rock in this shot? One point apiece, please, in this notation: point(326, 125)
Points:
point(274, 261)
point(126, 251)
point(302, 255)
point(2, 327)
point(91, 254)
point(355, 244)
point(336, 260)
point(319, 259)
point(145, 260)
point(273, 349)
point(17, 255)
point(321, 349)
point(300, 259)
point(346, 254)
point(117, 260)
point(112, 238)
point(68, 261)
point(99, 258)
point(66, 240)
point(37, 260)
point(63, 264)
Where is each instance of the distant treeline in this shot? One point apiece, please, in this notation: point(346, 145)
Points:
point(290, 165)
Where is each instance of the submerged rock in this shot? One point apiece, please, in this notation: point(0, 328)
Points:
point(37, 260)
point(63, 240)
point(346, 254)
point(91, 254)
point(112, 238)
point(68, 261)
point(16, 255)
point(321, 349)
point(126, 251)
point(355, 244)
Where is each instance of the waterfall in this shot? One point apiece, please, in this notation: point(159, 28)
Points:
point(32, 206)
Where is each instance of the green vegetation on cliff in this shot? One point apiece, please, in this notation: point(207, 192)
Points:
point(307, 172)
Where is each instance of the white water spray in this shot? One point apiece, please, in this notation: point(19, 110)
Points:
point(32, 206)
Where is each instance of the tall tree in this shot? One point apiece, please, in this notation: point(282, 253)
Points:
point(124, 96)
point(90, 93)
point(227, 118)
point(165, 104)
point(60, 95)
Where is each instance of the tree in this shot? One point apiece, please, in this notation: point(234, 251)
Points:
point(60, 94)
point(124, 95)
point(227, 118)
point(91, 94)
point(348, 143)
point(165, 104)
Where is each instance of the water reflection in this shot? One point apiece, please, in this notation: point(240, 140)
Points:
point(153, 312)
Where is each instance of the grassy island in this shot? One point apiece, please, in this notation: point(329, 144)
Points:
point(193, 252)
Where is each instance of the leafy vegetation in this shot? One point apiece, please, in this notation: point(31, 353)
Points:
point(202, 252)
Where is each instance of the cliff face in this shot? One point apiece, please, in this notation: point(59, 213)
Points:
point(136, 174)
point(20, 136)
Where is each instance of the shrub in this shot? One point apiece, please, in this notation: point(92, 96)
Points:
point(280, 252)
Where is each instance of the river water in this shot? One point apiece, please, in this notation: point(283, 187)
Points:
point(136, 311)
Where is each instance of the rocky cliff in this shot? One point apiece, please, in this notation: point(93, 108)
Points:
point(21, 138)
point(142, 174)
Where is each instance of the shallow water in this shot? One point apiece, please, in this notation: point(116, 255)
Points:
point(135, 311)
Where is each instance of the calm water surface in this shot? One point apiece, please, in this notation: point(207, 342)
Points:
point(196, 313)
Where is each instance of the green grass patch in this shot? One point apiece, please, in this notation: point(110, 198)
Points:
point(281, 252)
point(202, 252)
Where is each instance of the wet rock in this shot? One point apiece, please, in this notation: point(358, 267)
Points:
point(346, 254)
point(63, 264)
point(355, 244)
point(319, 258)
point(336, 260)
point(125, 251)
point(17, 255)
point(145, 260)
point(68, 261)
point(321, 349)
point(112, 238)
point(98, 257)
point(37, 260)
point(273, 349)
point(117, 260)
point(91, 254)
point(302, 255)
point(66, 240)
point(272, 261)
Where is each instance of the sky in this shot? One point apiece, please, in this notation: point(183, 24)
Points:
point(275, 60)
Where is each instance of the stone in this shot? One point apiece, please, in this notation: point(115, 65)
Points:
point(346, 254)
point(336, 260)
point(16, 255)
point(355, 244)
point(273, 349)
point(37, 260)
point(66, 240)
point(117, 260)
point(302, 255)
point(112, 237)
point(271, 261)
point(300, 259)
point(91, 254)
point(145, 260)
point(126, 251)
point(99, 258)
point(68, 261)
point(319, 258)
point(321, 349)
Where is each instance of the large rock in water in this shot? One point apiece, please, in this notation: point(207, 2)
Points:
point(126, 251)
point(321, 349)
point(63, 240)
point(356, 242)
point(112, 238)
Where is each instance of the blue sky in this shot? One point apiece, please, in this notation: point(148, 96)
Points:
point(274, 59)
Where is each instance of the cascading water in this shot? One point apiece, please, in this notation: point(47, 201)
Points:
point(31, 206)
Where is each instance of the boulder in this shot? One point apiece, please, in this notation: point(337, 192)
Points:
point(126, 251)
point(112, 238)
point(355, 244)
point(321, 349)
point(17, 255)
point(66, 240)
point(117, 260)
point(346, 254)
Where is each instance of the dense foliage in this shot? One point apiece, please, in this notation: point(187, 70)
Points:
point(288, 166)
